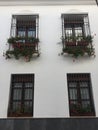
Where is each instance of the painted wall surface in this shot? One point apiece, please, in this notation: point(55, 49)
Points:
point(50, 69)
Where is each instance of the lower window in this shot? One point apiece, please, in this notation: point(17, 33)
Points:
point(21, 95)
point(80, 95)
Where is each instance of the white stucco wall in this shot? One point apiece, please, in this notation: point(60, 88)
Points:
point(50, 69)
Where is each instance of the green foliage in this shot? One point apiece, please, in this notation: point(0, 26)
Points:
point(74, 51)
point(17, 53)
point(79, 51)
point(22, 47)
point(88, 38)
point(13, 40)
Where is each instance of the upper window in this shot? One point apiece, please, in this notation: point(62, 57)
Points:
point(80, 95)
point(21, 95)
point(75, 26)
point(76, 36)
point(24, 26)
point(23, 41)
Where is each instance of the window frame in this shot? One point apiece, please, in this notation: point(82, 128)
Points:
point(75, 20)
point(32, 20)
point(12, 112)
point(71, 77)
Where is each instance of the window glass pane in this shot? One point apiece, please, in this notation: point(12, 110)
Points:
point(17, 94)
point(85, 104)
point(21, 32)
point(16, 106)
point(31, 32)
point(83, 84)
point(68, 32)
point(28, 103)
point(28, 94)
point(73, 102)
point(84, 93)
point(17, 85)
point(28, 106)
point(27, 85)
point(72, 84)
point(78, 31)
point(73, 93)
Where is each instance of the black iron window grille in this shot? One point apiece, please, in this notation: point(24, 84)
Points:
point(21, 95)
point(24, 26)
point(76, 25)
point(80, 95)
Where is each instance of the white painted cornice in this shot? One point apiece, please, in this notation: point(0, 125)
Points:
point(47, 2)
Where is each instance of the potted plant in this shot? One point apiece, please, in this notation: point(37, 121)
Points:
point(70, 41)
point(75, 52)
point(22, 47)
point(13, 40)
point(85, 40)
point(80, 46)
